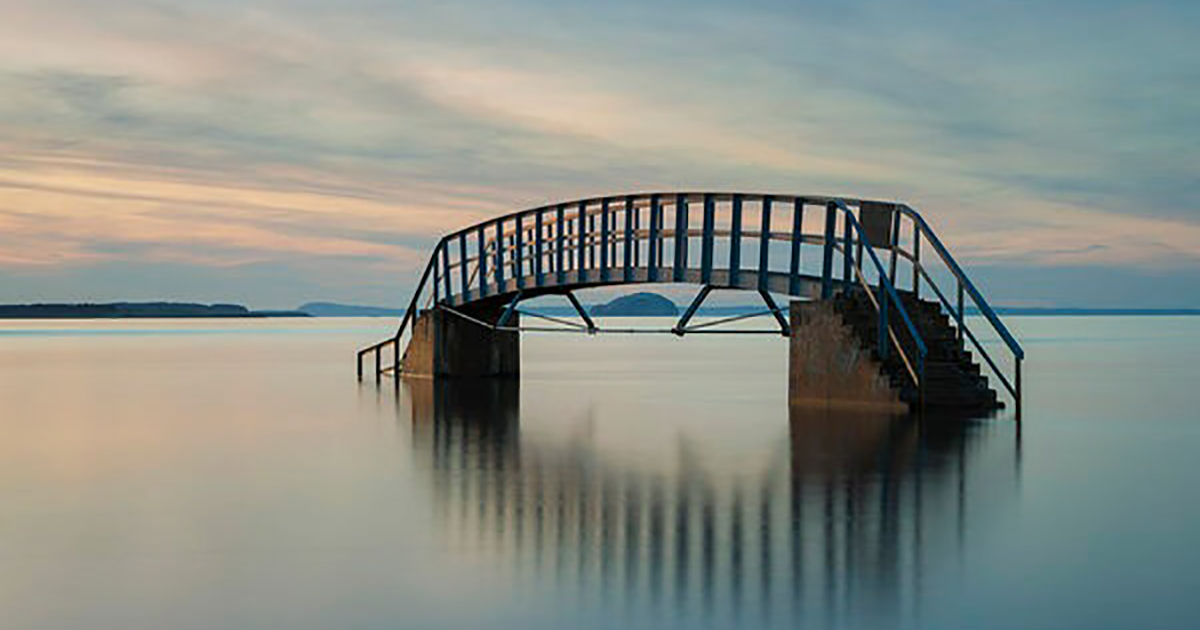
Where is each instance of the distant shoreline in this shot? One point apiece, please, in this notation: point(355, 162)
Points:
point(187, 310)
point(138, 310)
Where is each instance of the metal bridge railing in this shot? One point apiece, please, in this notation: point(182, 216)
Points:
point(747, 241)
point(963, 288)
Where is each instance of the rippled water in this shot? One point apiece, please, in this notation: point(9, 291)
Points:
point(232, 474)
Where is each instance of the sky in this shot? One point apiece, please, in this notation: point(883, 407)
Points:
point(276, 152)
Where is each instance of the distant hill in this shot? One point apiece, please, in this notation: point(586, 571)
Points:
point(332, 309)
point(121, 310)
point(637, 305)
point(1030, 310)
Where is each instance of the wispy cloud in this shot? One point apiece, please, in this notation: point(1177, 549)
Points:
point(221, 134)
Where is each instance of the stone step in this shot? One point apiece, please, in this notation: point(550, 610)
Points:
point(952, 378)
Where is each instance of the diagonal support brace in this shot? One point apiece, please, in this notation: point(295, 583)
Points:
point(591, 325)
point(784, 328)
point(508, 311)
point(681, 326)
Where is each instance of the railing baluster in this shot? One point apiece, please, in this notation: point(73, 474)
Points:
point(764, 243)
point(882, 341)
point(916, 261)
point(483, 270)
point(706, 243)
point(500, 256)
point(797, 239)
point(652, 263)
point(681, 237)
point(959, 314)
point(847, 254)
point(827, 261)
point(560, 273)
point(591, 242)
point(519, 251)
point(538, 263)
point(446, 269)
point(630, 244)
point(462, 265)
point(894, 245)
point(637, 228)
point(604, 219)
point(437, 272)
point(662, 236)
point(581, 242)
point(735, 242)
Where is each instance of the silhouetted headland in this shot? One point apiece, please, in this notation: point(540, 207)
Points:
point(643, 304)
point(121, 310)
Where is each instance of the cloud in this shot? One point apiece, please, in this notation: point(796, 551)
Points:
point(226, 134)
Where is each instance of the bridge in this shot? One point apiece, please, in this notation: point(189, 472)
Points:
point(857, 338)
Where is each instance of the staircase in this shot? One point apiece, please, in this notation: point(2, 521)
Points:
point(952, 377)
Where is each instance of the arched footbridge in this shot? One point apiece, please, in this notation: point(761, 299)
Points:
point(853, 271)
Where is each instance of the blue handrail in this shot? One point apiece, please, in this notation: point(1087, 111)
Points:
point(965, 285)
point(886, 283)
point(984, 308)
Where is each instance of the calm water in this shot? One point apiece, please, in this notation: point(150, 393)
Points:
point(232, 474)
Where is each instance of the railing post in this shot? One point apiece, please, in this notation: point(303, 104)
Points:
point(637, 227)
point(581, 248)
point(519, 252)
point(706, 240)
point(883, 323)
point(499, 255)
point(378, 367)
point(483, 269)
point(359, 361)
point(560, 273)
point(894, 245)
point(735, 241)
point(604, 219)
point(959, 314)
point(916, 260)
point(827, 263)
point(681, 237)
point(1018, 388)
point(538, 248)
point(764, 243)
point(655, 245)
point(396, 356)
point(797, 238)
point(462, 264)
point(437, 272)
point(445, 247)
point(847, 254)
point(630, 241)
point(591, 240)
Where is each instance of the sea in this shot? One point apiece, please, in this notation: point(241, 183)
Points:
point(234, 474)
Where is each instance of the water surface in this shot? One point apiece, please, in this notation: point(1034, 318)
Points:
point(232, 474)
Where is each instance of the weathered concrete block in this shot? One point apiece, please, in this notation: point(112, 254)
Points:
point(827, 365)
point(445, 345)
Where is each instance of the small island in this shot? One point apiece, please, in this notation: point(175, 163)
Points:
point(121, 310)
point(637, 305)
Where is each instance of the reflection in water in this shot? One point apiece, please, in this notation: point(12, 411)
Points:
point(838, 529)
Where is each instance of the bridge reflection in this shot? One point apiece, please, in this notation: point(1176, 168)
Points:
point(839, 526)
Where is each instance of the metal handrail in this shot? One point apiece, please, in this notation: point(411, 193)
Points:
point(922, 229)
point(886, 283)
point(984, 308)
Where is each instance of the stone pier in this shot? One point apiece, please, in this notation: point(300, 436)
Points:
point(446, 345)
point(828, 367)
